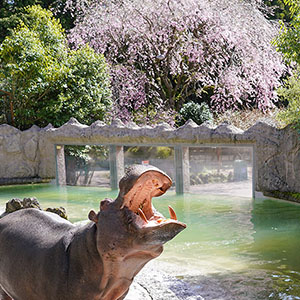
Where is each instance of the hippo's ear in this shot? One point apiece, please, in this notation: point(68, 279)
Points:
point(93, 216)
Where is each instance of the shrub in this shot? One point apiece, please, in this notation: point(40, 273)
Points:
point(199, 113)
point(291, 93)
point(49, 83)
point(164, 152)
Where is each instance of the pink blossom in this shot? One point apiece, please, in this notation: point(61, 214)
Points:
point(160, 50)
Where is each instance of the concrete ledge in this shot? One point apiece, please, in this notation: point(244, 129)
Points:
point(26, 180)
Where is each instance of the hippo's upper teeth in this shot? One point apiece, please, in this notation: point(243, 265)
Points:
point(142, 215)
point(172, 213)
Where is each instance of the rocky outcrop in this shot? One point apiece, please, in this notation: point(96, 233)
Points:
point(17, 204)
point(59, 211)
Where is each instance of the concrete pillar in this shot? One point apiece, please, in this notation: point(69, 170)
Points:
point(60, 165)
point(182, 166)
point(254, 170)
point(116, 165)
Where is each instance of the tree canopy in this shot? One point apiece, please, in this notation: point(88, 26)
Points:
point(288, 40)
point(47, 81)
point(279, 10)
point(288, 43)
point(12, 13)
point(177, 51)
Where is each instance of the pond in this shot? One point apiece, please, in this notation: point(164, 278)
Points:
point(233, 248)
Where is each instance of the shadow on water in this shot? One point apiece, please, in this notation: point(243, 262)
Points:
point(233, 247)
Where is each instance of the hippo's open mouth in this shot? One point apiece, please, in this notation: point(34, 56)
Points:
point(139, 199)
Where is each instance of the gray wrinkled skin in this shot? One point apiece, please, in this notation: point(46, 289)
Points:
point(44, 257)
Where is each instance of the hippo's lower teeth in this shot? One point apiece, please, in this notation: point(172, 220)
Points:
point(172, 213)
point(142, 215)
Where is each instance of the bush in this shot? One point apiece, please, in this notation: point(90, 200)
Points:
point(164, 152)
point(210, 177)
point(47, 82)
point(291, 93)
point(287, 42)
point(199, 113)
point(150, 152)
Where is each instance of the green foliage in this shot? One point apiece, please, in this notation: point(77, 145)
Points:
point(199, 113)
point(87, 154)
point(280, 10)
point(164, 152)
point(48, 29)
point(294, 6)
point(291, 93)
point(28, 71)
point(12, 13)
point(83, 89)
point(99, 152)
point(47, 81)
point(288, 41)
point(210, 177)
point(150, 152)
point(79, 153)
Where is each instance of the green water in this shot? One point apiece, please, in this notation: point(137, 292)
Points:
point(233, 247)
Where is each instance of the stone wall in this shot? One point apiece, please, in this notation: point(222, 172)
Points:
point(25, 156)
point(31, 153)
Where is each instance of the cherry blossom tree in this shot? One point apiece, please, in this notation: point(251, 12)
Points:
point(168, 52)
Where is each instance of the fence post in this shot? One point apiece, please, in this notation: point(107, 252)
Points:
point(182, 167)
point(116, 165)
point(60, 165)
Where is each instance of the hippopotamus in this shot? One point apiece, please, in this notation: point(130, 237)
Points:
point(45, 257)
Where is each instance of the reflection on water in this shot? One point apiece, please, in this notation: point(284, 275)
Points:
point(277, 243)
point(233, 247)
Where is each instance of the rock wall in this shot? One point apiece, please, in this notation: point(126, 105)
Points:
point(31, 153)
point(24, 155)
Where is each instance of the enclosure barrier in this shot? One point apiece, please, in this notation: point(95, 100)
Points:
point(39, 152)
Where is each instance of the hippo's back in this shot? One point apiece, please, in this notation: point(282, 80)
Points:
point(32, 243)
point(34, 225)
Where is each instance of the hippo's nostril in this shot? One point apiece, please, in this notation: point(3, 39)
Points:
point(105, 203)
